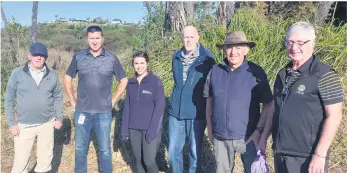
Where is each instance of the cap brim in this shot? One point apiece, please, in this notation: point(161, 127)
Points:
point(39, 54)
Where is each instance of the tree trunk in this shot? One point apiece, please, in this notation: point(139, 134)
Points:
point(178, 15)
point(10, 36)
point(224, 12)
point(4, 17)
point(323, 11)
point(34, 22)
point(270, 7)
point(147, 4)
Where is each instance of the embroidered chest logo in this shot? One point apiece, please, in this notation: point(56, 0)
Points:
point(301, 89)
point(146, 92)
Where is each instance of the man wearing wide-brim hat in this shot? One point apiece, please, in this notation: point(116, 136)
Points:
point(234, 89)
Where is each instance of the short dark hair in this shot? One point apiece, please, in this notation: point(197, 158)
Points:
point(93, 29)
point(140, 54)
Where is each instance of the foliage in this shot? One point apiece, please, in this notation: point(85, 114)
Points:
point(270, 53)
point(13, 38)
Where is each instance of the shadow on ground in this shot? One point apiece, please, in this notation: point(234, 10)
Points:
point(208, 164)
point(61, 137)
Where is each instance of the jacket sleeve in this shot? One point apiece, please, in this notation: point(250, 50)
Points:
point(10, 95)
point(125, 117)
point(158, 113)
point(58, 100)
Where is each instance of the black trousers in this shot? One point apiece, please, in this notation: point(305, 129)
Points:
point(144, 151)
point(289, 164)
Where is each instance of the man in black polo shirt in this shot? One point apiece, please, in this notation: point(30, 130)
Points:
point(308, 106)
point(234, 88)
point(96, 68)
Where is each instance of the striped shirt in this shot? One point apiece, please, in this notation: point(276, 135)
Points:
point(188, 60)
point(291, 77)
point(330, 88)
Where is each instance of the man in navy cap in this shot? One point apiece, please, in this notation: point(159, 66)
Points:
point(36, 90)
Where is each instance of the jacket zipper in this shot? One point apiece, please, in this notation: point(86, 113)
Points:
point(138, 90)
point(279, 116)
point(226, 107)
point(37, 86)
point(191, 81)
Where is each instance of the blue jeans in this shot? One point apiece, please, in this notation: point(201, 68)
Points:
point(100, 123)
point(178, 131)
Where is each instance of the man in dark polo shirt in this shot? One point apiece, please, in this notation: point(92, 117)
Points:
point(308, 106)
point(234, 88)
point(96, 68)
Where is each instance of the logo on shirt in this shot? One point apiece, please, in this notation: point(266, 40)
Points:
point(146, 92)
point(301, 89)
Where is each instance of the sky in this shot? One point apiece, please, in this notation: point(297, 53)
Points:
point(131, 11)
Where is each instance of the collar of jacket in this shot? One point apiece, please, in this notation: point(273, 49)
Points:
point(203, 54)
point(26, 69)
point(225, 66)
point(313, 67)
point(146, 79)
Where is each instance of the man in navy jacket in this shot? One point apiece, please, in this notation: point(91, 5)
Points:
point(234, 90)
point(190, 66)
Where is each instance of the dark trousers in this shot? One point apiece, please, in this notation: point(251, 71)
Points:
point(144, 151)
point(289, 164)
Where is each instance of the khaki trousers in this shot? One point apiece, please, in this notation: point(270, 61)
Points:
point(24, 142)
point(225, 153)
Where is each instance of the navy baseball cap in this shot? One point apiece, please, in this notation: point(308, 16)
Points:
point(39, 49)
point(94, 28)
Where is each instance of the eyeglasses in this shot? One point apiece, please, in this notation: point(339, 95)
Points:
point(290, 43)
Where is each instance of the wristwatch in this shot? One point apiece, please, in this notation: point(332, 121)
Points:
point(260, 129)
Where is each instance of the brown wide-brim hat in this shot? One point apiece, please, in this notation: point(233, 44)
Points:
point(236, 37)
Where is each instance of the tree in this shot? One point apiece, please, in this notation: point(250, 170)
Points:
point(34, 22)
point(178, 15)
point(203, 8)
point(3, 16)
point(224, 12)
point(10, 36)
point(323, 11)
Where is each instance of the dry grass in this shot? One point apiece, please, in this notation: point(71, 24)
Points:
point(123, 161)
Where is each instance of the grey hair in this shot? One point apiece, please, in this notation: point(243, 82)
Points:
point(302, 27)
point(189, 26)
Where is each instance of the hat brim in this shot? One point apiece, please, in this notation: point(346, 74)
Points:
point(249, 44)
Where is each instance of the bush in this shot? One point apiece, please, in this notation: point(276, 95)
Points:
point(270, 53)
